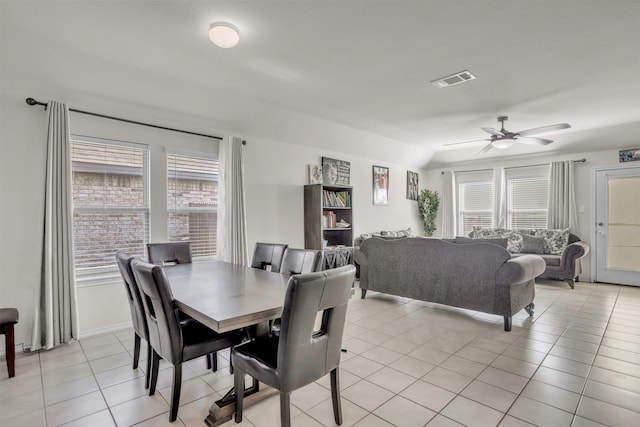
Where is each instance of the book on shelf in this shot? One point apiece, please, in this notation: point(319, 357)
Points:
point(336, 199)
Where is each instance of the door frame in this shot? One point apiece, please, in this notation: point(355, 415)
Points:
point(593, 229)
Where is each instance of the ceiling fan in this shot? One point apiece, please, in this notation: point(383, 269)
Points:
point(503, 139)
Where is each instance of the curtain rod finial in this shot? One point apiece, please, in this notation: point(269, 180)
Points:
point(31, 101)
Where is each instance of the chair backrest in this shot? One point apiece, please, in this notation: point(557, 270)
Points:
point(138, 317)
point(268, 254)
point(169, 253)
point(165, 335)
point(305, 353)
point(300, 261)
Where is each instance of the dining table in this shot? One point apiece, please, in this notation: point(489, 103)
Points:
point(227, 297)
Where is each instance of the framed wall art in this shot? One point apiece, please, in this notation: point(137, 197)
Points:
point(412, 185)
point(335, 172)
point(632, 155)
point(380, 185)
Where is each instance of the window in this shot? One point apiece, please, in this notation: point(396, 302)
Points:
point(192, 202)
point(475, 200)
point(527, 196)
point(110, 202)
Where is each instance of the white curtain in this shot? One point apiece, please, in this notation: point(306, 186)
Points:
point(56, 315)
point(562, 197)
point(449, 206)
point(499, 198)
point(232, 220)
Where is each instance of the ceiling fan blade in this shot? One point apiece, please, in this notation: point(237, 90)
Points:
point(544, 129)
point(465, 142)
point(493, 131)
point(486, 148)
point(534, 141)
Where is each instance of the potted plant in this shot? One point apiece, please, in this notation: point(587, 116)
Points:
point(428, 203)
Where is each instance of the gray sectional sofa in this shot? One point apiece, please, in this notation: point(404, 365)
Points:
point(480, 276)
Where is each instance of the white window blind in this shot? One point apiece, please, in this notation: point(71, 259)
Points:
point(110, 202)
point(192, 202)
point(475, 200)
point(527, 195)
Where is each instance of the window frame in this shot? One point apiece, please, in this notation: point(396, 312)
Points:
point(171, 151)
point(473, 177)
point(537, 173)
point(102, 275)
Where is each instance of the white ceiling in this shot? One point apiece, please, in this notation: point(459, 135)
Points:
point(329, 72)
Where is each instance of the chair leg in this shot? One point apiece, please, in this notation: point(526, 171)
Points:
point(154, 373)
point(285, 409)
point(238, 382)
point(175, 393)
point(214, 361)
point(208, 357)
point(335, 396)
point(147, 377)
point(136, 350)
point(10, 349)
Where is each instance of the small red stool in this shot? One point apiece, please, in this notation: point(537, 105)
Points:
point(8, 318)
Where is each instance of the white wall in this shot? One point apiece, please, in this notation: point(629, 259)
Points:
point(275, 175)
point(585, 190)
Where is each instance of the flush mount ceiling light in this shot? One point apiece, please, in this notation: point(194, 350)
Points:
point(224, 35)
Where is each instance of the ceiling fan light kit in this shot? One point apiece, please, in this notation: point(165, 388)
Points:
point(503, 139)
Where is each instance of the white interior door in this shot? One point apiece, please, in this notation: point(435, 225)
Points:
point(618, 226)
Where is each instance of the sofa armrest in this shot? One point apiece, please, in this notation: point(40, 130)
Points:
point(520, 269)
point(573, 252)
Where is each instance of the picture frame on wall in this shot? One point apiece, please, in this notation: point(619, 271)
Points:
point(412, 185)
point(335, 172)
point(380, 185)
point(632, 155)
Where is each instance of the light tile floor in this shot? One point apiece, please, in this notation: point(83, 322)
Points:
point(409, 363)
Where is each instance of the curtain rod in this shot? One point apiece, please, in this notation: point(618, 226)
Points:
point(32, 101)
point(515, 167)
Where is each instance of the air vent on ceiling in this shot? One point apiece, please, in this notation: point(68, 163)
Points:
point(454, 79)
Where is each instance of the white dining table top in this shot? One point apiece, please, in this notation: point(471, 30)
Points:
point(227, 296)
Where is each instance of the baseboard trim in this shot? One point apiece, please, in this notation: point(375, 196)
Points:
point(100, 331)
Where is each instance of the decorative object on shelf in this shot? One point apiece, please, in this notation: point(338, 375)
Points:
point(315, 174)
point(412, 185)
point(335, 172)
point(428, 203)
point(630, 155)
point(380, 185)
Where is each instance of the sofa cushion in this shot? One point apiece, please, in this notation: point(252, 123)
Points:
point(549, 260)
point(532, 244)
point(554, 240)
point(500, 241)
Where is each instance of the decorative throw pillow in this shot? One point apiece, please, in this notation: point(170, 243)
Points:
point(514, 239)
point(554, 240)
point(532, 244)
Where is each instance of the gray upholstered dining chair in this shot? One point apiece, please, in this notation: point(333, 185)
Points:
point(301, 354)
point(297, 261)
point(300, 261)
point(138, 318)
point(268, 255)
point(172, 340)
point(172, 253)
point(169, 253)
point(8, 318)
